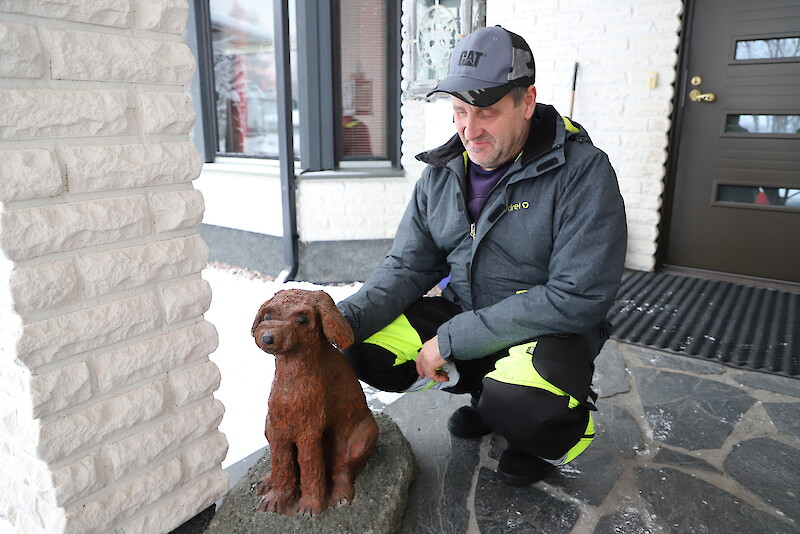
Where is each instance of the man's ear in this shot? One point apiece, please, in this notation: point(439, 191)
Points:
point(529, 101)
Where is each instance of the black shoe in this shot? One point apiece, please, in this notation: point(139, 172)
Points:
point(520, 469)
point(466, 423)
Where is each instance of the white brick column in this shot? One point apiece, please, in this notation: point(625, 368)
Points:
point(107, 416)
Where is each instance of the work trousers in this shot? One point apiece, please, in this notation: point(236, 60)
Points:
point(537, 395)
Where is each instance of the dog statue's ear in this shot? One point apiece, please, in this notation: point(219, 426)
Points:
point(258, 319)
point(334, 325)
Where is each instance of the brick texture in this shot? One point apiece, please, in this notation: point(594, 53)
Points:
point(108, 421)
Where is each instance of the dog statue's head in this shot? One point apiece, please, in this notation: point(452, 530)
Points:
point(294, 317)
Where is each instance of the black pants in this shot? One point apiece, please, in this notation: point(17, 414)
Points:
point(537, 395)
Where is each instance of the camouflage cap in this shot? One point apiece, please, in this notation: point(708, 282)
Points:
point(486, 64)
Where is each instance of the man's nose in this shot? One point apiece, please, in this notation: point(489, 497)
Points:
point(472, 128)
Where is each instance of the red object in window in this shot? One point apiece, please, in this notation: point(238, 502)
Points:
point(761, 198)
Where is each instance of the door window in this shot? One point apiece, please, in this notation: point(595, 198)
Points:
point(767, 48)
point(763, 124)
point(759, 196)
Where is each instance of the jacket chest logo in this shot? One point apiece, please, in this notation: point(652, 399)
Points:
point(518, 206)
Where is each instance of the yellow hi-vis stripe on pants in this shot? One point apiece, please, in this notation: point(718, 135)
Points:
point(399, 338)
point(517, 369)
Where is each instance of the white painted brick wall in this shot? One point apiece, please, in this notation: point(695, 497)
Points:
point(350, 209)
point(107, 415)
point(618, 44)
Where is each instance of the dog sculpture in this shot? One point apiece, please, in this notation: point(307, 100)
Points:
point(320, 431)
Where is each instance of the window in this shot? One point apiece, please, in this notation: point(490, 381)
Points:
point(759, 196)
point(243, 44)
point(436, 26)
point(767, 48)
point(345, 62)
point(364, 59)
point(783, 125)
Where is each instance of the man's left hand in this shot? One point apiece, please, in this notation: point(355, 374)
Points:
point(429, 361)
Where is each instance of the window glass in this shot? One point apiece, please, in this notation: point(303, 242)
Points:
point(763, 124)
point(764, 196)
point(364, 71)
point(778, 48)
point(438, 30)
point(243, 43)
point(436, 26)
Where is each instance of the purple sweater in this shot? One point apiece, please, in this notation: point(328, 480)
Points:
point(481, 183)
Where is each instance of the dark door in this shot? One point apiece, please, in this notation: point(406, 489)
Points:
point(736, 200)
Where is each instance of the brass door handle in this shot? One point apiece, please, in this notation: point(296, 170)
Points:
point(696, 96)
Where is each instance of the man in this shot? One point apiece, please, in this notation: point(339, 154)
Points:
point(524, 215)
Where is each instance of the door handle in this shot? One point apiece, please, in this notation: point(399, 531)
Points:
point(696, 96)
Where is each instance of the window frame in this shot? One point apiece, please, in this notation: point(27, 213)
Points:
point(319, 78)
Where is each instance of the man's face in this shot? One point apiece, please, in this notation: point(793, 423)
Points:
point(495, 134)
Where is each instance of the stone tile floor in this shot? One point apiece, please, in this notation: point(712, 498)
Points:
point(683, 446)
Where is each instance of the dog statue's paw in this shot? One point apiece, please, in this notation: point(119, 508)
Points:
point(342, 493)
point(309, 506)
point(263, 485)
point(276, 502)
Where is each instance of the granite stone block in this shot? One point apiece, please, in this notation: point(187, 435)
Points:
point(380, 498)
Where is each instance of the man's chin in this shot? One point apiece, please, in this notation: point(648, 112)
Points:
point(480, 158)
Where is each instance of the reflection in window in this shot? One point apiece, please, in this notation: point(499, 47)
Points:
point(243, 43)
point(765, 196)
point(780, 48)
point(437, 25)
point(364, 68)
point(763, 124)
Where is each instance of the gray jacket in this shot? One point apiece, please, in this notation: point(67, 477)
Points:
point(545, 255)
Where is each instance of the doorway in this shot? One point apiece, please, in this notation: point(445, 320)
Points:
point(735, 202)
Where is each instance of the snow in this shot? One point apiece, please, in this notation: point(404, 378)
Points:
point(246, 370)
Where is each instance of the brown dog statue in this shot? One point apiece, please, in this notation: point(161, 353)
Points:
point(320, 431)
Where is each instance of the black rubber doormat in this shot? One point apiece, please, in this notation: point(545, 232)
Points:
point(741, 326)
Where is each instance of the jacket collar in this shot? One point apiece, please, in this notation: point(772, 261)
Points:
point(547, 133)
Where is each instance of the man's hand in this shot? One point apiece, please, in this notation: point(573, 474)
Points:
point(429, 361)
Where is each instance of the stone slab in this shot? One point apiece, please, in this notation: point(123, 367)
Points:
point(592, 475)
point(687, 411)
point(769, 469)
point(446, 464)
point(776, 384)
point(677, 361)
point(623, 522)
point(609, 371)
point(501, 509)
point(785, 416)
point(381, 496)
point(683, 503)
point(674, 458)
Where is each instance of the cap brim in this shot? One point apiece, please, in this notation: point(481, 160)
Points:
point(480, 97)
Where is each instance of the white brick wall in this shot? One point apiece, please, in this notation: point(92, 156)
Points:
point(618, 44)
point(107, 416)
point(350, 209)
